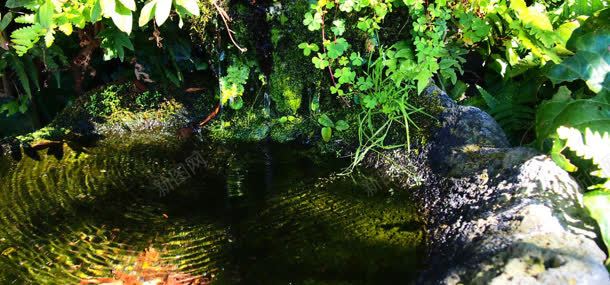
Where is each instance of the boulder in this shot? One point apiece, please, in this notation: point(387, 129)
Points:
point(495, 214)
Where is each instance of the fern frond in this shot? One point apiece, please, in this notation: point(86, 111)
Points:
point(19, 68)
point(31, 70)
point(512, 114)
point(594, 147)
point(25, 38)
point(26, 19)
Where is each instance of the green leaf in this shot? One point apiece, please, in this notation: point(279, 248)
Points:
point(129, 4)
point(356, 59)
point(49, 38)
point(489, 99)
point(147, 13)
point(19, 3)
point(26, 19)
point(123, 40)
point(25, 38)
point(591, 62)
point(315, 104)
point(326, 133)
point(338, 27)
point(114, 43)
point(337, 48)
point(313, 22)
point(8, 17)
point(369, 101)
point(458, 90)
point(324, 120)
point(341, 125)
point(345, 75)
point(11, 108)
point(559, 158)
point(162, 11)
point(108, 7)
point(189, 5)
point(594, 147)
point(319, 61)
point(122, 18)
point(308, 48)
point(96, 11)
point(593, 113)
point(17, 65)
point(45, 14)
point(23, 106)
point(237, 103)
point(423, 79)
point(597, 203)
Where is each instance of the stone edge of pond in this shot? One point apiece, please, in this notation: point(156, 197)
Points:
point(495, 213)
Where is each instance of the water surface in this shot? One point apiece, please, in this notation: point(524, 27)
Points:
point(250, 214)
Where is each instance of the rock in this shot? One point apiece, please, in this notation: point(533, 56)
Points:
point(496, 214)
point(526, 225)
point(461, 126)
point(94, 116)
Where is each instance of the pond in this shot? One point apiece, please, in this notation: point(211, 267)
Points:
point(247, 214)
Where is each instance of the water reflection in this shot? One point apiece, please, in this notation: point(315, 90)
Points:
point(272, 214)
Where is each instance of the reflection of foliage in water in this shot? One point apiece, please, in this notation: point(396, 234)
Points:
point(83, 216)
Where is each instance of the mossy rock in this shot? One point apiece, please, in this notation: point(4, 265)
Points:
point(118, 109)
point(294, 79)
point(287, 86)
point(252, 126)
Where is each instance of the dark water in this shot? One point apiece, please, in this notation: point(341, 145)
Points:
point(257, 214)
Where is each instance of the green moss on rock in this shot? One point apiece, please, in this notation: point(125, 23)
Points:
point(294, 77)
point(46, 133)
point(287, 84)
point(243, 126)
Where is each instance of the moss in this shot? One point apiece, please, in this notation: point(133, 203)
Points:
point(202, 27)
point(294, 77)
point(115, 98)
point(294, 129)
point(251, 126)
point(243, 126)
point(287, 84)
point(46, 133)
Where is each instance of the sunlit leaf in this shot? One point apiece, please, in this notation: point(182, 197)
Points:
point(162, 11)
point(591, 63)
point(189, 5)
point(147, 13)
point(597, 203)
point(129, 4)
point(327, 133)
point(122, 18)
point(45, 14)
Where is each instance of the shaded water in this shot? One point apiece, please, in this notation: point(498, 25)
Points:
point(256, 214)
